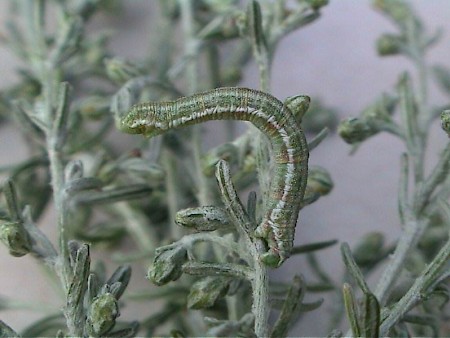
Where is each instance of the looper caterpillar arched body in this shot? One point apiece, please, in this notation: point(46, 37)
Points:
point(276, 120)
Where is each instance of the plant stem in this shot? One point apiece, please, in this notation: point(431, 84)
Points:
point(418, 291)
point(260, 284)
point(414, 224)
point(260, 289)
point(45, 72)
point(187, 18)
point(170, 165)
point(57, 179)
point(411, 234)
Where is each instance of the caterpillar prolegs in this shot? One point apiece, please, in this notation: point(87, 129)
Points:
point(275, 119)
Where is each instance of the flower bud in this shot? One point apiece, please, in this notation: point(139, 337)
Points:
point(167, 265)
point(369, 249)
point(298, 105)
point(205, 292)
point(121, 71)
point(445, 121)
point(93, 107)
point(203, 218)
point(389, 44)
point(398, 10)
point(16, 238)
point(319, 184)
point(354, 130)
point(102, 314)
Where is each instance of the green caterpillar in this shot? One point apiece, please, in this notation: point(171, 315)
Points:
point(275, 119)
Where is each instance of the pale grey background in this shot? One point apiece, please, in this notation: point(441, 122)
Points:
point(333, 58)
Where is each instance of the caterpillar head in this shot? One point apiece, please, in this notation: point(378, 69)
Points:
point(298, 105)
point(142, 119)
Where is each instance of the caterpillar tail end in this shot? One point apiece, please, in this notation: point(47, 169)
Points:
point(273, 258)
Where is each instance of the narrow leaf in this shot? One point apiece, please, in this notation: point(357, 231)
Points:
point(322, 135)
point(310, 247)
point(311, 306)
point(43, 327)
point(371, 316)
point(130, 331)
point(255, 27)
point(350, 309)
point(6, 331)
point(251, 206)
point(122, 275)
point(9, 190)
point(293, 300)
point(403, 198)
point(78, 287)
point(212, 269)
point(82, 184)
point(231, 200)
point(353, 268)
point(424, 320)
point(61, 116)
point(113, 195)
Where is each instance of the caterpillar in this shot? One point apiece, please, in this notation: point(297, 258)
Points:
point(277, 120)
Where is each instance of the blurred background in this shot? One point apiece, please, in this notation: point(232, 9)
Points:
point(333, 59)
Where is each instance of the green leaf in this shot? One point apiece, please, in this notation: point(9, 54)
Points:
point(60, 124)
point(424, 320)
point(371, 316)
point(74, 309)
point(113, 195)
point(130, 331)
point(353, 268)
point(350, 309)
point(255, 27)
point(311, 306)
point(205, 292)
point(232, 202)
point(9, 190)
point(316, 140)
point(310, 247)
point(46, 326)
point(213, 269)
point(251, 206)
point(122, 275)
point(442, 75)
point(82, 184)
point(6, 331)
point(288, 313)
